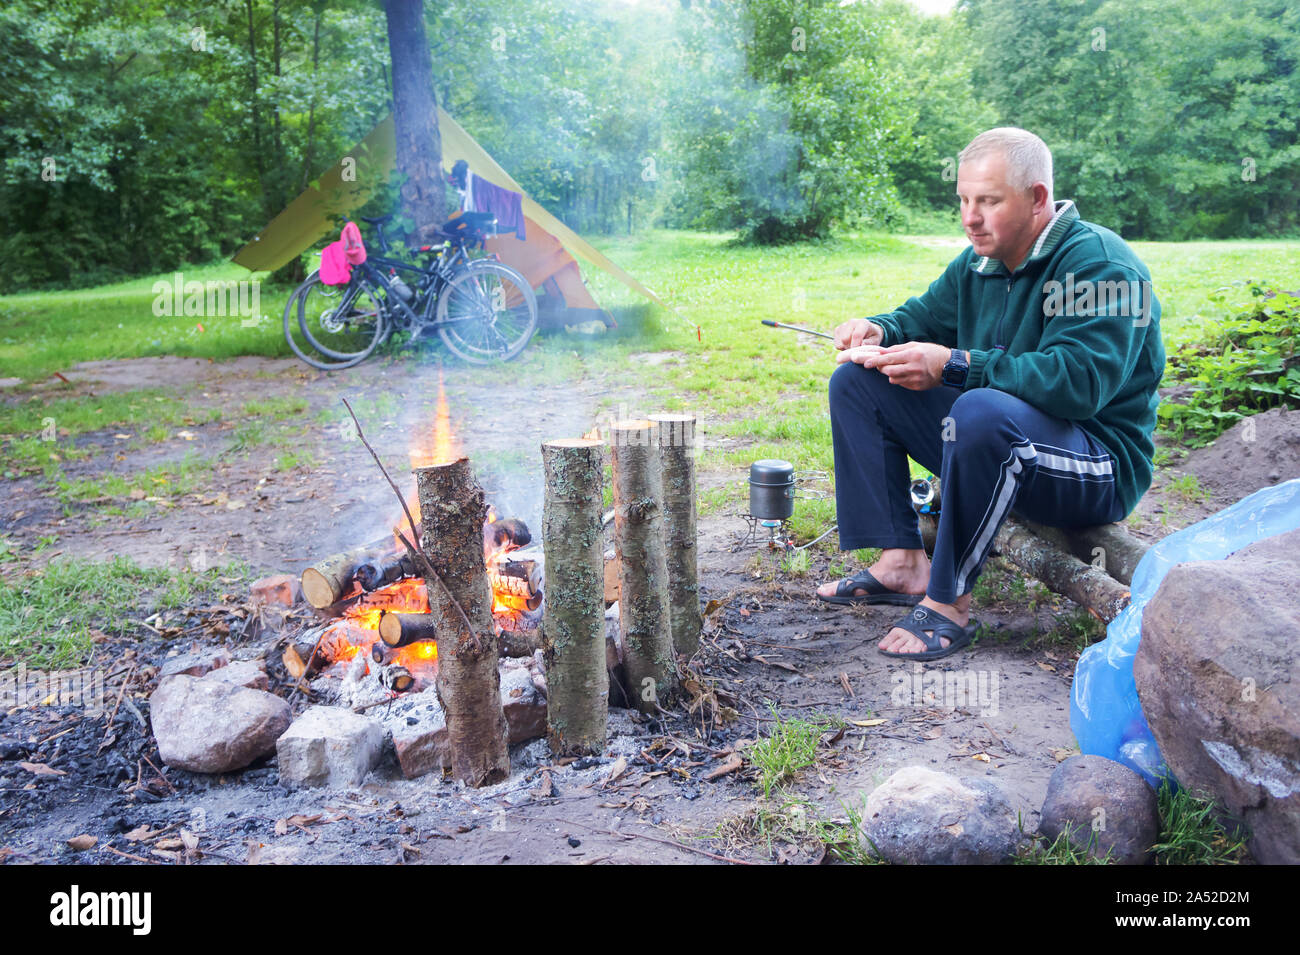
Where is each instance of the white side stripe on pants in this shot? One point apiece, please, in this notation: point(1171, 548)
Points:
point(1004, 493)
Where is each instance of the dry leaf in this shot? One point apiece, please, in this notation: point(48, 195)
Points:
point(40, 769)
point(136, 494)
point(615, 771)
point(171, 842)
point(744, 612)
point(983, 757)
point(868, 722)
point(713, 605)
point(293, 662)
point(83, 842)
point(140, 833)
point(281, 827)
point(1045, 666)
point(304, 820)
point(190, 840)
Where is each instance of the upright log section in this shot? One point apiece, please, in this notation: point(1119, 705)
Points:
point(677, 458)
point(573, 623)
point(649, 663)
point(452, 512)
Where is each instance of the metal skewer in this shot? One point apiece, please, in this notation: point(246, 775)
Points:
point(796, 328)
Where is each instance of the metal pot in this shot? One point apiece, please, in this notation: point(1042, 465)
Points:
point(771, 490)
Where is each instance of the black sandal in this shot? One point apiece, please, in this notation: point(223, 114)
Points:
point(925, 618)
point(876, 592)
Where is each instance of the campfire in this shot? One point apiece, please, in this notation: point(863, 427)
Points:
point(381, 598)
point(383, 604)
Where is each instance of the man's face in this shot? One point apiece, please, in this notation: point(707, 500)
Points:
point(999, 220)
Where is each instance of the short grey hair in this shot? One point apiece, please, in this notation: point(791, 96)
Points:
point(1028, 158)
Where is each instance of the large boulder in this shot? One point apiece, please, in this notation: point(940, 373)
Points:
point(328, 746)
point(923, 817)
point(208, 726)
point(1218, 675)
point(1107, 808)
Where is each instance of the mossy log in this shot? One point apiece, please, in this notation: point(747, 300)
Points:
point(644, 617)
point(452, 512)
point(573, 623)
point(677, 460)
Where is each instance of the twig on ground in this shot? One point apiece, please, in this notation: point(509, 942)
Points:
point(666, 842)
point(120, 693)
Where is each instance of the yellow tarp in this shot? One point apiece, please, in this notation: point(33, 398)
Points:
point(354, 178)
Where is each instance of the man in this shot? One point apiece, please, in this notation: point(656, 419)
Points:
point(1025, 376)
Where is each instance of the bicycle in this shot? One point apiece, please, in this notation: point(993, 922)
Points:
point(483, 310)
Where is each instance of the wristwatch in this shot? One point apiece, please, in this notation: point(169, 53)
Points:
point(956, 369)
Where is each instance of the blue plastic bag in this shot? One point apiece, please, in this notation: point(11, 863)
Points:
point(1105, 714)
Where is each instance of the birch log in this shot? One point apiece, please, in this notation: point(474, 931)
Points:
point(573, 623)
point(649, 663)
point(452, 514)
point(677, 460)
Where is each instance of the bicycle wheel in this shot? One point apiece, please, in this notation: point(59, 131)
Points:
point(343, 325)
point(303, 351)
point(487, 312)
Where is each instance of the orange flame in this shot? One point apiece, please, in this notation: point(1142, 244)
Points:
point(439, 446)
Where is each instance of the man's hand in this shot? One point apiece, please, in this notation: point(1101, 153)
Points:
point(858, 331)
point(913, 365)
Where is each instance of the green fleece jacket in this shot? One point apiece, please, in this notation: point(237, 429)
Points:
point(1075, 331)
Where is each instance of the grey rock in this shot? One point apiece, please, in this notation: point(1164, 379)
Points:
point(328, 746)
point(1107, 808)
point(196, 663)
point(1218, 676)
point(524, 705)
point(247, 673)
point(206, 726)
point(419, 729)
point(923, 817)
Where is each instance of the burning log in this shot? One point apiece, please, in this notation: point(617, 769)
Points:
point(469, 685)
point(329, 580)
point(648, 659)
point(400, 629)
point(506, 534)
point(382, 571)
point(395, 678)
point(573, 627)
point(676, 455)
point(517, 584)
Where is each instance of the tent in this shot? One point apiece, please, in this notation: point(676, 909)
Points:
point(546, 257)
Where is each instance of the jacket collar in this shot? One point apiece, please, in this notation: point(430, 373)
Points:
point(1065, 216)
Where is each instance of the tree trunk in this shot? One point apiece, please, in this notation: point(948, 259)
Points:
point(573, 624)
point(452, 514)
point(677, 457)
point(1107, 547)
point(649, 663)
point(415, 117)
point(1083, 583)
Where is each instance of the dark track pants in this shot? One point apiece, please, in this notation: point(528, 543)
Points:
point(992, 452)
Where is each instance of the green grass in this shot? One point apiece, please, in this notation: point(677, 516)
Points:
point(172, 480)
point(789, 748)
point(1190, 834)
point(45, 332)
point(47, 615)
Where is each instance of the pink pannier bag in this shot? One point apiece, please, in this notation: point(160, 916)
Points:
point(337, 258)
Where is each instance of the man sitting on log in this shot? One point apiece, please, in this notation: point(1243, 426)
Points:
point(1025, 377)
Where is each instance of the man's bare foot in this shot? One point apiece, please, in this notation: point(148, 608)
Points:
point(899, 640)
point(903, 571)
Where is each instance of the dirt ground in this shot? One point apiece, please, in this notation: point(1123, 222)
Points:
point(768, 646)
